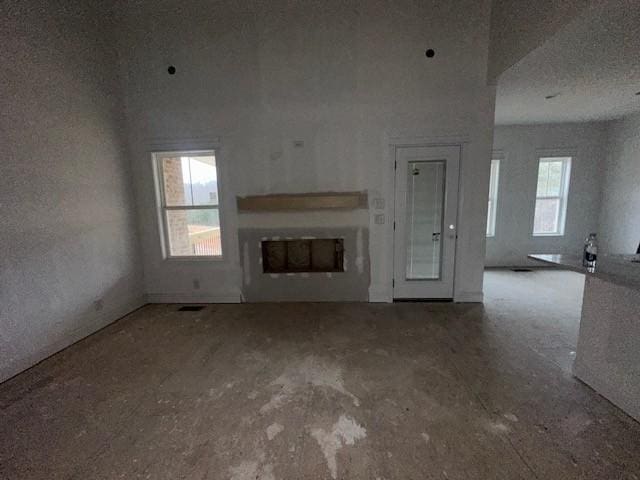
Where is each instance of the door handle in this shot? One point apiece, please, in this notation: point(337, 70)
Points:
point(435, 236)
point(452, 227)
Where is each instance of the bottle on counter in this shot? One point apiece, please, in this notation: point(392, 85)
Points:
point(590, 252)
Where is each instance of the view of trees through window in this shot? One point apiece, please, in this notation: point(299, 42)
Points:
point(551, 196)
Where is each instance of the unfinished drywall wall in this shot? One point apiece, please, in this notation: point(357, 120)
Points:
point(69, 260)
point(520, 26)
point(306, 97)
point(520, 147)
point(350, 285)
point(619, 227)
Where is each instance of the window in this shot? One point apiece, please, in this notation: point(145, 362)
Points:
point(188, 197)
point(551, 196)
point(493, 197)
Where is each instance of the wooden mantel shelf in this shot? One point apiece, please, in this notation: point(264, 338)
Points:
point(303, 201)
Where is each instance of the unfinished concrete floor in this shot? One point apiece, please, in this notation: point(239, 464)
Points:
point(541, 308)
point(292, 391)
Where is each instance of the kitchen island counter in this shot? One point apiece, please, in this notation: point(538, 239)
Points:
point(621, 269)
point(608, 351)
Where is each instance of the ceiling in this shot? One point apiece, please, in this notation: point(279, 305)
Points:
point(592, 66)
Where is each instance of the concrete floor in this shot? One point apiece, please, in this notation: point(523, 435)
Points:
point(315, 391)
point(541, 308)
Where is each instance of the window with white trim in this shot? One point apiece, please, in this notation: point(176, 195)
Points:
point(551, 196)
point(187, 184)
point(493, 197)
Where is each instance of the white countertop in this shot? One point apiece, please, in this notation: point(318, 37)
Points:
point(620, 269)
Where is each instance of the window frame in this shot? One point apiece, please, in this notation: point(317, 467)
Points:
point(566, 158)
point(492, 220)
point(163, 208)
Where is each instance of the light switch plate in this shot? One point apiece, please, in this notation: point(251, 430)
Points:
point(379, 219)
point(378, 203)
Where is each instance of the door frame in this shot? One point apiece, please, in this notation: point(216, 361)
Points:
point(456, 140)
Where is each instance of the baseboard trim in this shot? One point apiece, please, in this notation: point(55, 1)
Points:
point(534, 265)
point(192, 298)
point(468, 297)
point(380, 294)
point(97, 323)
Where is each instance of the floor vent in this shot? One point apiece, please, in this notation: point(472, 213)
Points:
point(191, 308)
point(521, 270)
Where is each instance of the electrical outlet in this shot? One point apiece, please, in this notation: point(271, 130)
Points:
point(98, 305)
point(378, 203)
point(196, 284)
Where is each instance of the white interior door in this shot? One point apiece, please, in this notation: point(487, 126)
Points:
point(426, 207)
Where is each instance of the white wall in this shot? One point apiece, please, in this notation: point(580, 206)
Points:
point(521, 146)
point(520, 26)
point(67, 235)
point(347, 78)
point(619, 227)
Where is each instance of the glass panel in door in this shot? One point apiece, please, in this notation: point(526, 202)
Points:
point(423, 226)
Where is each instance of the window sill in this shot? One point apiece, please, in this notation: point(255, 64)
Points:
point(200, 258)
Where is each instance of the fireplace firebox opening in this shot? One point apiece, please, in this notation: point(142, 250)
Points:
point(303, 255)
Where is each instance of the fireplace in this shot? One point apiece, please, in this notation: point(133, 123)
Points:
point(304, 247)
point(303, 255)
